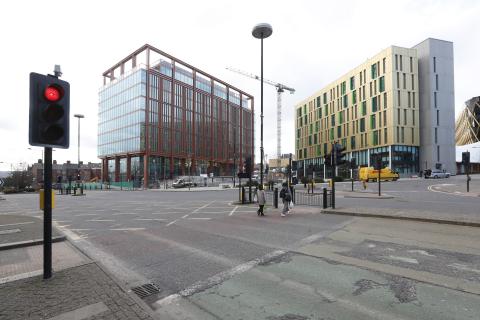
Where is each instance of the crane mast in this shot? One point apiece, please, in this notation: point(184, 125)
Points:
point(280, 88)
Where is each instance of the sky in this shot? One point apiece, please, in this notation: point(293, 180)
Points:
point(313, 43)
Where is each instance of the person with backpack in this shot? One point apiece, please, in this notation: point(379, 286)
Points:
point(261, 200)
point(286, 196)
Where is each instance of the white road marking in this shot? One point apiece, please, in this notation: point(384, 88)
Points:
point(16, 224)
point(170, 223)
point(371, 245)
point(403, 259)
point(423, 252)
point(124, 214)
point(233, 210)
point(81, 229)
point(462, 267)
point(128, 229)
point(10, 231)
point(100, 220)
point(200, 218)
point(185, 216)
point(146, 219)
point(162, 212)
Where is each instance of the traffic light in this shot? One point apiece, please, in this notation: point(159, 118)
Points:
point(49, 117)
point(353, 163)
point(248, 166)
point(294, 166)
point(328, 159)
point(377, 161)
point(466, 158)
point(339, 154)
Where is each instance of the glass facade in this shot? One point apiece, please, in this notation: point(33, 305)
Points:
point(183, 120)
point(121, 115)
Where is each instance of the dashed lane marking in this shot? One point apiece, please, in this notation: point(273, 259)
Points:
point(127, 229)
point(124, 214)
point(147, 219)
point(200, 218)
point(170, 223)
point(16, 224)
point(403, 259)
point(100, 220)
point(233, 210)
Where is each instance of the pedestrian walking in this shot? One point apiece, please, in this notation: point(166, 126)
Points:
point(261, 200)
point(286, 196)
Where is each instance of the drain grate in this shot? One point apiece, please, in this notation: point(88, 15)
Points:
point(146, 290)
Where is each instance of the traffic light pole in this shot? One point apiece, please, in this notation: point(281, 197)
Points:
point(47, 215)
point(334, 167)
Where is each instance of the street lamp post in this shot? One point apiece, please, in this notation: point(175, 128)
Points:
point(79, 116)
point(261, 31)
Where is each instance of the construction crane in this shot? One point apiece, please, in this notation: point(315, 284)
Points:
point(280, 89)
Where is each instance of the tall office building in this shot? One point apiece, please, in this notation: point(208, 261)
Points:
point(160, 117)
point(382, 107)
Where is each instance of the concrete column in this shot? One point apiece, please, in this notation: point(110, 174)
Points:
point(117, 169)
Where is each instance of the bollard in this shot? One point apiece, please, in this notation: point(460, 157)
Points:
point(275, 198)
point(292, 191)
point(324, 198)
point(243, 195)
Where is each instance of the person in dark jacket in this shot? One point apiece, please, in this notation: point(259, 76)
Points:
point(286, 197)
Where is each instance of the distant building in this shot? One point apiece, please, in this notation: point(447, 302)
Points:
point(160, 117)
point(399, 104)
point(280, 163)
point(88, 172)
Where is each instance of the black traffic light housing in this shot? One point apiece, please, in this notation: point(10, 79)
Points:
point(328, 159)
point(353, 163)
point(466, 158)
point(49, 116)
point(377, 161)
point(294, 166)
point(339, 154)
point(248, 166)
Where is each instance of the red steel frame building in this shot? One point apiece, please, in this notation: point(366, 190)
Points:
point(160, 117)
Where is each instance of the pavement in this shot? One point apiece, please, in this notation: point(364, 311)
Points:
point(79, 288)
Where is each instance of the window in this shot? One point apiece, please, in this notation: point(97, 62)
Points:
point(403, 135)
point(318, 102)
point(372, 122)
point(434, 64)
point(364, 108)
point(344, 87)
point(339, 132)
point(356, 115)
point(398, 134)
point(315, 139)
point(398, 116)
point(382, 84)
point(332, 137)
point(404, 81)
point(436, 82)
point(413, 99)
point(340, 117)
point(413, 117)
point(404, 117)
point(352, 83)
point(385, 100)
point(409, 99)
point(370, 89)
point(398, 80)
point(332, 120)
point(435, 99)
point(401, 63)
point(361, 78)
point(362, 125)
point(352, 142)
point(438, 117)
point(324, 97)
point(413, 136)
point(384, 63)
point(354, 97)
point(375, 138)
point(345, 101)
point(396, 62)
point(374, 104)
point(436, 135)
point(385, 136)
point(374, 70)
point(385, 118)
point(411, 64)
point(413, 82)
point(398, 96)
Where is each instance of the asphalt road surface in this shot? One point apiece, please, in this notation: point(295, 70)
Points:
point(212, 259)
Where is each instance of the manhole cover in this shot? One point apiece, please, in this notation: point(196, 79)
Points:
point(146, 290)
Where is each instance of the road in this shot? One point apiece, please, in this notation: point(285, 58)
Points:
point(212, 259)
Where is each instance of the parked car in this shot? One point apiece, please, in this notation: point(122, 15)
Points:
point(436, 174)
point(181, 183)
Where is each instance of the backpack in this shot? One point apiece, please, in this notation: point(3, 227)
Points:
point(282, 193)
point(288, 197)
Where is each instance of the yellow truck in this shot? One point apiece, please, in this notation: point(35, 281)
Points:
point(370, 174)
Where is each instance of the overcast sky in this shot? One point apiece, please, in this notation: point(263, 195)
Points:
point(313, 43)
